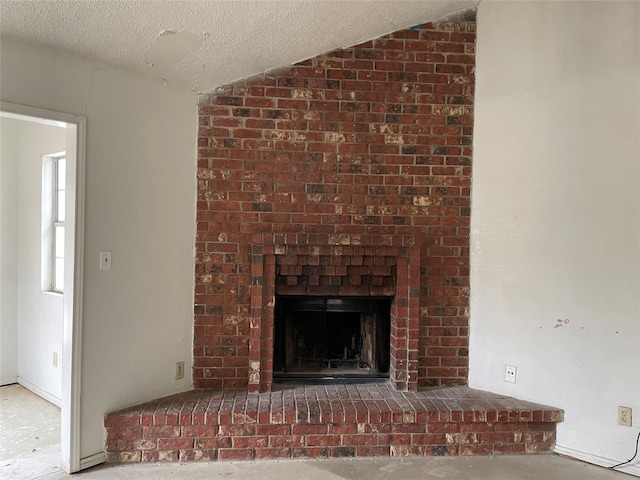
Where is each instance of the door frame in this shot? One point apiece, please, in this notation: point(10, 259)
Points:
point(74, 276)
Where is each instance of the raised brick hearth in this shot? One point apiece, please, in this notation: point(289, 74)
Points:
point(328, 421)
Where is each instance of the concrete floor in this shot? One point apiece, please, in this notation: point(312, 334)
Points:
point(543, 467)
point(29, 434)
point(30, 449)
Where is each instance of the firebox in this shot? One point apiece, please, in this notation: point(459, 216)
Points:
point(331, 338)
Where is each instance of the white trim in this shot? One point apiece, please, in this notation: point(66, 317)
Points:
point(93, 460)
point(6, 113)
point(632, 469)
point(8, 381)
point(39, 391)
point(74, 282)
point(74, 274)
point(53, 293)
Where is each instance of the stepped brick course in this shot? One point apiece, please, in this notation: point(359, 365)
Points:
point(328, 421)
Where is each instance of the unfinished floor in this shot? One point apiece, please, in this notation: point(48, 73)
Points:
point(540, 467)
point(30, 449)
point(29, 434)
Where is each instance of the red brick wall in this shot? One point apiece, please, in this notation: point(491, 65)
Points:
point(370, 143)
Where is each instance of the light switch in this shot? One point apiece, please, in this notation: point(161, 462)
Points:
point(105, 260)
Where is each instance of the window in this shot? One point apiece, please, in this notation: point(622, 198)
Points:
point(53, 218)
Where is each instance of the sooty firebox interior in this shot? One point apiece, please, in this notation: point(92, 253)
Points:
point(329, 337)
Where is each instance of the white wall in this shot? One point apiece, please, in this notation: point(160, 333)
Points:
point(140, 204)
point(555, 287)
point(31, 321)
point(9, 191)
point(40, 323)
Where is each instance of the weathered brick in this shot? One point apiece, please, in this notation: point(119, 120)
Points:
point(422, 423)
point(367, 145)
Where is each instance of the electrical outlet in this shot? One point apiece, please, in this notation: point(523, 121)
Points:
point(179, 370)
point(510, 373)
point(55, 359)
point(624, 416)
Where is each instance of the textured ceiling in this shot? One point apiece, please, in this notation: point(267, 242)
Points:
point(200, 45)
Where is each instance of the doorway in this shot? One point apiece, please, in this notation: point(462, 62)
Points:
point(54, 286)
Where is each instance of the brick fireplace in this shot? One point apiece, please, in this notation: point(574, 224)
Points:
point(348, 174)
point(337, 186)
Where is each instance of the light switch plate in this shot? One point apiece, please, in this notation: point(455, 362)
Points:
point(105, 260)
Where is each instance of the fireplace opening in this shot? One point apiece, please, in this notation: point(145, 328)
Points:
point(331, 338)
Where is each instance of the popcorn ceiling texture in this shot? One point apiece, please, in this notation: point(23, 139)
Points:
point(239, 39)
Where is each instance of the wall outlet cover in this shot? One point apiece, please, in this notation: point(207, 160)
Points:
point(510, 373)
point(179, 370)
point(624, 416)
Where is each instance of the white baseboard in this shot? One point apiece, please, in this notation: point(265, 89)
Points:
point(8, 381)
point(92, 460)
point(40, 392)
point(633, 469)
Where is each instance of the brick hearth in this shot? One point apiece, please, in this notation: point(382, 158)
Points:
point(328, 421)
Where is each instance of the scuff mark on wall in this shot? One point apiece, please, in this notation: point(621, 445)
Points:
point(172, 47)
